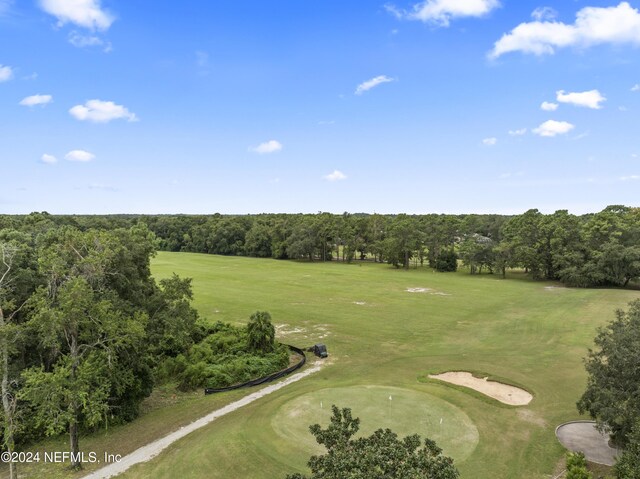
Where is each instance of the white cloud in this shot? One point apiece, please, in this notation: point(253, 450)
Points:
point(34, 100)
point(490, 141)
point(636, 87)
point(99, 111)
point(589, 99)
point(544, 13)
point(441, 12)
point(548, 106)
point(100, 186)
point(593, 26)
point(6, 73)
point(84, 13)
point(270, 146)
point(519, 132)
point(79, 155)
point(337, 175)
point(581, 135)
point(81, 41)
point(369, 84)
point(630, 178)
point(553, 128)
point(202, 59)
point(5, 5)
point(49, 159)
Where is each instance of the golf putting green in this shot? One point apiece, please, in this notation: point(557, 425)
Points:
point(405, 411)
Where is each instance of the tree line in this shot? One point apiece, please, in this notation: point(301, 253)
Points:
point(598, 249)
point(86, 332)
point(83, 327)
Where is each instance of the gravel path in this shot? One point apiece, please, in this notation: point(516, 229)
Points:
point(151, 450)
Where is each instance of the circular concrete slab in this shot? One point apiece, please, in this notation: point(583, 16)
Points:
point(582, 436)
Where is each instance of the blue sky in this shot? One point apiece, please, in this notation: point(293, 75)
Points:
point(145, 106)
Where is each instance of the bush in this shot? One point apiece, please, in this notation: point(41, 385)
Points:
point(577, 466)
point(222, 359)
point(447, 261)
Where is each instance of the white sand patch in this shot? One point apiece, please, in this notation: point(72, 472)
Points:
point(151, 450)
point(502, 392)
point(361, 303)
point(285, 329)
point(426, 291)
point(553, 288)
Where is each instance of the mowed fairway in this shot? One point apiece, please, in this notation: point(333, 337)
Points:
point(381, 339)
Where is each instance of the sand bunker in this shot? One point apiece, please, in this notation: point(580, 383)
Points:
point(502, 392)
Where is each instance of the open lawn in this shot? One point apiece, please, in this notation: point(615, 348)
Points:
point(383, 341)
point(532, 334)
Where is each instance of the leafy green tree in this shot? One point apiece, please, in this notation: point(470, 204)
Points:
point(172, 326)
point(612, 396)
point(477, 252)
point(402, 242)
point(379, 456)
point(92, 333)
point(258, 241)
point(261, 333)
point(628, 465)
point(447, 261)
point(304, 239)
point(17, 281)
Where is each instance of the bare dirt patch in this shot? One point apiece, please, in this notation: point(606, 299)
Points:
point(426, 291)
point(553, 288)
point(285, 329)
point(502, 392)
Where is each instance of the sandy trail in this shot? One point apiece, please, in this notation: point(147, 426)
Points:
point(145, 453)
point(502, 392)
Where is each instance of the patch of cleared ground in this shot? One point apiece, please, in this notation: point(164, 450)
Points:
point(314, 332)
point(426, 291)
point(502, 392)
point(285, 329)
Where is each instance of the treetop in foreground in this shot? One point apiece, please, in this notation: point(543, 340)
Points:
point(612, 396)
point(379, 456)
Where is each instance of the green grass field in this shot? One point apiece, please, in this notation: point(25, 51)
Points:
point(383, 341)
point(378, 334)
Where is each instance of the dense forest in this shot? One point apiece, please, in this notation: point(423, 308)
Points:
point(600, 249)
point(86, 331)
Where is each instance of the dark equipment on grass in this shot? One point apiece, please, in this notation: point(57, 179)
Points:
point(319, 350)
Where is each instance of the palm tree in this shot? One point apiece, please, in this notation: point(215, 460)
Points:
point(261, 332)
